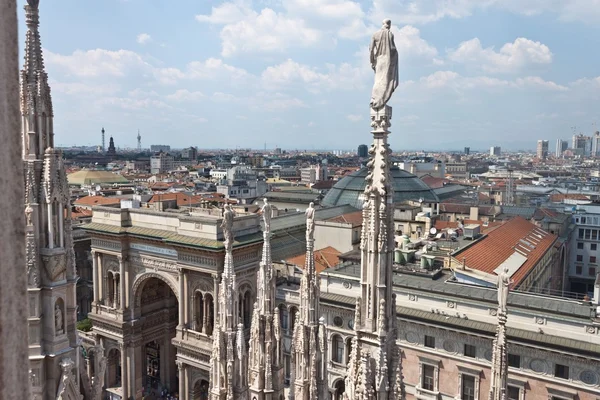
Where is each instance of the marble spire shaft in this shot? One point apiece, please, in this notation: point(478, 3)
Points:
point(265, 370)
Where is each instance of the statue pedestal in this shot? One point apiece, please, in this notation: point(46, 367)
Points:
point(380, 119)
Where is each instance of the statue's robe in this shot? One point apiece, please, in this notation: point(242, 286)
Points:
point(384, 60)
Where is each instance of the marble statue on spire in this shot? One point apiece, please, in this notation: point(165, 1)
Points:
point(229, 355)
point(265, 355)
point(384, 61)
point(309, 338)
point(504, 282)
point(375, 365)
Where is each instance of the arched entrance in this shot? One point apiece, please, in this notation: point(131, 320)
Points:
point(158, 311)
point(200, 390)
point(340, 388)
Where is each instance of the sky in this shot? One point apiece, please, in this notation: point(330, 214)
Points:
point(295, 74)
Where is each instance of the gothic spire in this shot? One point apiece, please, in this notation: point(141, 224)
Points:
point(309, 338)
point(376, 360)
point(36, 102)
point(227, 363)
point(265, 372)
point(499, 373)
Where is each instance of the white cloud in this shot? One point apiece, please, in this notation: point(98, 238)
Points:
point(343, 76)
point(143, 38)
point(168, 76)
point(185, 95)
point(512, 57)
point(539, 83)
point(459, 83)
point(427, 11)
point(98, 62)
point(248, 31)
point(214, 67)
point(410, 44)
point(84, 89)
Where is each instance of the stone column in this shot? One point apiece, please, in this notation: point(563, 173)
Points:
point(50, 225)
point(13, 296)
point(181, 300)
point(184, 298)
point(205, 306)
point(122, 283)
point(61, 225)
point(115, 283)
point(186, 384)
point(181, 368)
point(100, 278)
point(124, 371)
point(95, 275)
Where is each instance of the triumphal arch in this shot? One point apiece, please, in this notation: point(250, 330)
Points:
point(156, 282)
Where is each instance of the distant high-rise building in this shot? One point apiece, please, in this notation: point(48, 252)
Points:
point(160, 147)
point(596, 144)
point(495, 151)
point(103, 142)
point(561, 146)
point(467, 151)
point(582, 145)
point(139, 141)
point(111, 147)
point(363, 151)
point(542, 149)
point(191, 153)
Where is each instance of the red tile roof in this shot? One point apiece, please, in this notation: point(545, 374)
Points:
point(515, 235)
point(439, 225)
point(560, 197)
point(182, 199)
point(97, 201)
point(433, 182)
point(352, 218)
point(327, 257)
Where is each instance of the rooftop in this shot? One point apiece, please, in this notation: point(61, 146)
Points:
point(518, 243)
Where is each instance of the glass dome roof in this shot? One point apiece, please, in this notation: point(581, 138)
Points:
point(349, 190)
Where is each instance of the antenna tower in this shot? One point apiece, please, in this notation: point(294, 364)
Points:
point(103, 141)
point(139, 142)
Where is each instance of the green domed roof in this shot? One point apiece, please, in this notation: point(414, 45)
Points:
point(350, 188)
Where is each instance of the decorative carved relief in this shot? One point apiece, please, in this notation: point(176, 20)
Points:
point(493, 311)
point(451, 304)
point(154, 263)
point(540, 320)
point(539, 366)
point(412, 297)
point(450, 346)
point(54, 265)
point(588, 377)
point(347, 284)
point(412, 337)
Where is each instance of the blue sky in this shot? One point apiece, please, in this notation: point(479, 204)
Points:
point(295, 73)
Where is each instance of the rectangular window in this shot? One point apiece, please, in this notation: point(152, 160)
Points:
point(593, 246)
point(470, 350)
point(594, 234)
point(427, 382)
point(592, 271)
point(514, 360)
point(588, 234)
point(593, 259)
point(579, 245)
point(579, 257)
point(580, 233)
point(561, 371)
point(468, 387)
point(430, 341)
point(578, 269)
point(514, 393)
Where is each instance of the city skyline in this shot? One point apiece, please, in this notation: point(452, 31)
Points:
point(200, 71)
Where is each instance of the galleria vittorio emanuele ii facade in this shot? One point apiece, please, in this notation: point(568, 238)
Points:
point(196, 302)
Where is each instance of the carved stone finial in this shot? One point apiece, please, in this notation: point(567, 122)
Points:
point(33, 3)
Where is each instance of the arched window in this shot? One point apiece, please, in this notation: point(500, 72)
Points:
point(337, 349)
point(340, 388)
